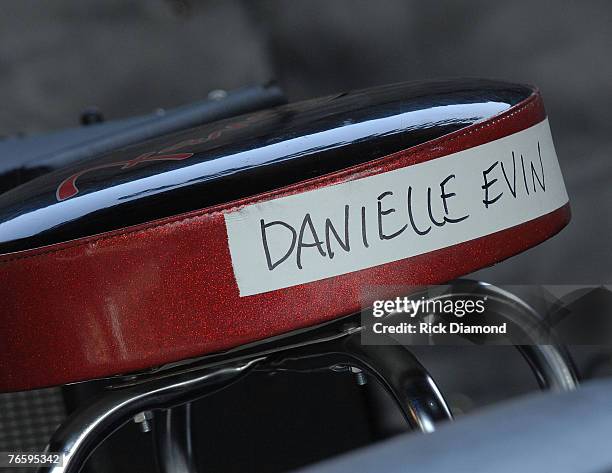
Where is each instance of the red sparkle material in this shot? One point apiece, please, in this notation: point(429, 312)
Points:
point(164, 291)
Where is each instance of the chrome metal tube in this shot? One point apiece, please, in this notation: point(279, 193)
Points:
point(550, 362)
point(173, 440)
point(394, 366)
point(80, 435)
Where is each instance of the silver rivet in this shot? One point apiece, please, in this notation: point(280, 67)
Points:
point(360, 376)
point(143, 419)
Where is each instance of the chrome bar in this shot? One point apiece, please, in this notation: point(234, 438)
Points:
point(173, 442)
point(550, 362)
point(551, 365)
point(408, 382)
point(85, 429)
point(393, 366)
point(333, 346)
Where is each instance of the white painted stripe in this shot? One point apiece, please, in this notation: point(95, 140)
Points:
point(311, 242)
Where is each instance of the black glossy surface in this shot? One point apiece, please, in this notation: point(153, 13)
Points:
point(23, 158)
point(272, 148)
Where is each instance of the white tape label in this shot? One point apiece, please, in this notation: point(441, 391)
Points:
point(397, 214)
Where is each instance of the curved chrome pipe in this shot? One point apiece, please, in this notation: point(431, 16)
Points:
point(550, 362)
point(551, 365)
point(80, 435)
point(173, 442)
point(393, 366)
point(407, 380)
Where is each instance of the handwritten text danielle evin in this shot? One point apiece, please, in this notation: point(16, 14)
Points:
point(417, 209)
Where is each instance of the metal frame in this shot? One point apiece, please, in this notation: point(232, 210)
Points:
point(173, 444)
point(333, 346)
point(550, 362)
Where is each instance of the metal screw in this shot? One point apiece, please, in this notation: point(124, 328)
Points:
point(360, 376)
point(143, 419)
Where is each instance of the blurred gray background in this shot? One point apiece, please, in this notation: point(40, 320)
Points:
point(134, 56)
